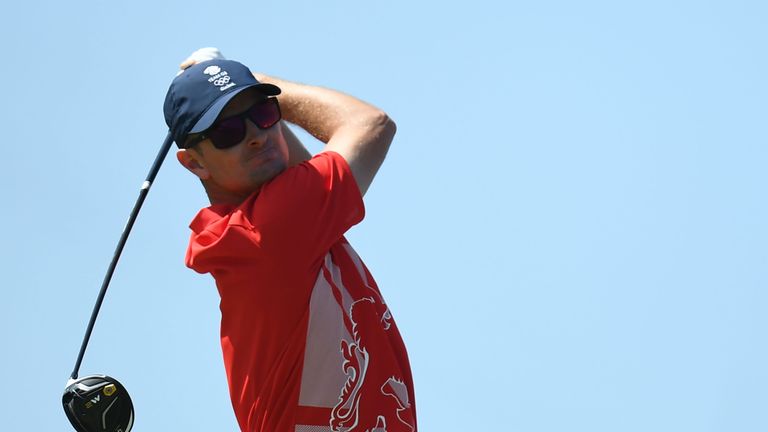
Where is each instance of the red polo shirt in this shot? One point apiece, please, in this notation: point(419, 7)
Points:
point(309, 344)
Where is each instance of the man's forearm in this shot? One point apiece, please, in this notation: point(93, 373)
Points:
point(297, 153)
point(322, 112)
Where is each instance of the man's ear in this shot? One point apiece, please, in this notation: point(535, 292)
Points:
point(191, 161)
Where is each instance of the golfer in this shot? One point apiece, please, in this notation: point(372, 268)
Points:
point(309, 344)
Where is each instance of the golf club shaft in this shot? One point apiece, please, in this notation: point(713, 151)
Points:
point(123, 238)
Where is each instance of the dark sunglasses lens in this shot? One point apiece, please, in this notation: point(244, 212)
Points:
point(266, 114)
point(227, 133)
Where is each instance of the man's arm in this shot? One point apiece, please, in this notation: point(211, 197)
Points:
point(358, 131)
point(297, 153)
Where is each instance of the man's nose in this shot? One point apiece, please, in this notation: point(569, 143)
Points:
point(253, 135)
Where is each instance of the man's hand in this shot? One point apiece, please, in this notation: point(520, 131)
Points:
point(201, 55)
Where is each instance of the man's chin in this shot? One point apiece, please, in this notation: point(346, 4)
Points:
point(271, 170)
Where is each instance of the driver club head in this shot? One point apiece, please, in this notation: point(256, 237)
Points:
point(98, 403)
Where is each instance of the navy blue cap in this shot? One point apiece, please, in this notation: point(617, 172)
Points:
point(199, 94)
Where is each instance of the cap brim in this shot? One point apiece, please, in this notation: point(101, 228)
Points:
point(212, 113)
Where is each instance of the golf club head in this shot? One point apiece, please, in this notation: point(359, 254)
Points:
point(98, 403)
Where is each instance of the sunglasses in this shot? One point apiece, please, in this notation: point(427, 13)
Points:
point(228, 132)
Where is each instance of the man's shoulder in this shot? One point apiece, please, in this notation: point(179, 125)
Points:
point(323, 170)
point(323, 163)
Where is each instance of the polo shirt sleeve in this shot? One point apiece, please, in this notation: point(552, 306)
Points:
point(301, 213)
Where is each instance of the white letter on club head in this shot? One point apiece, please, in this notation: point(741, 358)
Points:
point(212, 70)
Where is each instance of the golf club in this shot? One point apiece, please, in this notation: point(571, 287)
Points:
point(99, 403)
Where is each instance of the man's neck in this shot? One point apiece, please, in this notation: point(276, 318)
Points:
point(219, 196)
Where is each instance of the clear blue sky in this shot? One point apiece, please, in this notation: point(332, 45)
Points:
point(570, 228)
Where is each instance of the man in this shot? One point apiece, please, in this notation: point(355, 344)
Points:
point(309, 344)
